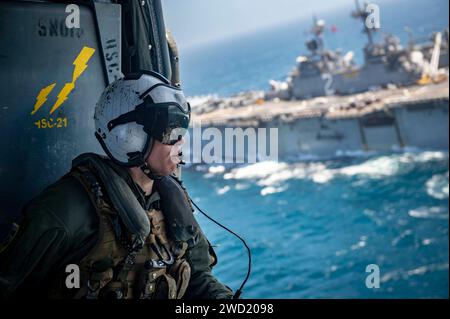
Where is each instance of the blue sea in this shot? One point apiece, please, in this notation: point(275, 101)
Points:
point(314, 226)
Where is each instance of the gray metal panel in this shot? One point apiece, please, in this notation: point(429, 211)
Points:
point(109, 22)
point(159, 37)
point(36, 50)
point(381, 138)
point(318, 136)
point(424, 124)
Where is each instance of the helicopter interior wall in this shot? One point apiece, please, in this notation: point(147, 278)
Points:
point(41, 141)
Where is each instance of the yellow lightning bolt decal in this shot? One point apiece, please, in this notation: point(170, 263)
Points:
point(42, 97)
point(80, 64)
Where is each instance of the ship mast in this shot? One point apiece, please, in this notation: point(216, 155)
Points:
point(317, 31)
point(315, 45)
point(362, 14)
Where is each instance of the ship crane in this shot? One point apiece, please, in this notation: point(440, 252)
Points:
point(431, 72)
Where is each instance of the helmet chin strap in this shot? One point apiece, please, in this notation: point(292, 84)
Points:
point(147, 170)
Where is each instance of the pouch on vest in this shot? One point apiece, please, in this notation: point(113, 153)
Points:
point(177, 210)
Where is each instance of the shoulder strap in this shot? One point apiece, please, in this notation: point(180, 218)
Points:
point(90, 183)
point(93, 188)
point(119, 194)
point(106, 214)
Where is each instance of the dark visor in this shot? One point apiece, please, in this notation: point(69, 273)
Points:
point(165, 122)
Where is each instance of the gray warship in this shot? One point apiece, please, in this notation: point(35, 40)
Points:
point(325, 72)
point(328, 106)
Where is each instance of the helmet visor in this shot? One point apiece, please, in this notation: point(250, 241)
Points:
point(166, 122)
point(171, 124)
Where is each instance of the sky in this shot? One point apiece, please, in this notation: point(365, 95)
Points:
point(195, 22)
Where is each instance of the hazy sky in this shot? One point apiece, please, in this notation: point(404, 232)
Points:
point(198, 21)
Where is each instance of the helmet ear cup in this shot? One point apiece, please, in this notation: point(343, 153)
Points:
point(149, 149)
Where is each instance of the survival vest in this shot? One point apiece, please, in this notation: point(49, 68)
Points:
point(121, 267)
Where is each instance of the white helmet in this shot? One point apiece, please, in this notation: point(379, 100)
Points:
point(134, 111)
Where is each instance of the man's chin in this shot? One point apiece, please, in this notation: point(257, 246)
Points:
point(167, 172)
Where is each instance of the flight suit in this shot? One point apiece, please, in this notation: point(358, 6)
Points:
point(62, 226)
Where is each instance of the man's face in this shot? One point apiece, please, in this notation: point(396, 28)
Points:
point(163, 158)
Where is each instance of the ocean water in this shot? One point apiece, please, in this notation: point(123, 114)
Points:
point(313, 227)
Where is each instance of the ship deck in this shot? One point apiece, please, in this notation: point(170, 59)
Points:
point(355, 105)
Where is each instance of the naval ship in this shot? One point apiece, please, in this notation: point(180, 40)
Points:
point(325, 72)
point(397, 100)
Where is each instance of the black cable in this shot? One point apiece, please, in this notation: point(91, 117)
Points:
point(239, 291)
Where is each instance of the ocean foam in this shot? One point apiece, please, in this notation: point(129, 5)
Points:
point(429, 212)
point(437, 186)
point(271, 173)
